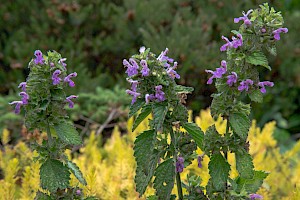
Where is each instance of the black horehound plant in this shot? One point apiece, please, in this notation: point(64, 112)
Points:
point(163, 151)
point(44, 99)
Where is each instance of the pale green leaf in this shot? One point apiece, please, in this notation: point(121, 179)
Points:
point(196, 133)
point(76, 171)
point(244, 164)
point(183, 89)
point(258, 58)
point(253, 184)
point(67, 133)
point(240, 124)
point(256, 95)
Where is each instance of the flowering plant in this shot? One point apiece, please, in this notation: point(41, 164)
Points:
point(155, 91)
point(44, 99)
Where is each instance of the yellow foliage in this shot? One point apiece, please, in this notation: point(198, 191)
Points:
point(110, 169)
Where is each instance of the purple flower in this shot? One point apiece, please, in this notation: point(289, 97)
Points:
point(199, 160)
point(25, 97)
point(18, 106)
point(218, 73)
point(145, 70)
point(235, 43)
point(52, 64)
point(78, 192)
point(179, 164)
point(231, 79)
point(263, 84)
point(244, 18)
point(62, 62)
point(263, 30)
point(255, 196)
point(164, 58)
point(133, 84)
point(68, 79)
point(39, 57)
point(71, 103)
point(172, 73)
point(142, 49)
point(23, 86)
point(149, 97)
point(244, 85)
point(131, 70)
point(56, 80)
point(134, 94)
point(159, 94)
point(278, 31)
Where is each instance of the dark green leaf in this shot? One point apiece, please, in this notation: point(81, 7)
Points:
point(164, 179)
point(256, 96)
point(244, 164)
point(196, 133)
point(76, 171)
point(54, 175)
point(219, 171)
point(258, 58)
point(146, 159)
point(253, 184)
point(136, 107)
point(67, 133)
point(144, 113)
point(159, 113)
point(240, 124)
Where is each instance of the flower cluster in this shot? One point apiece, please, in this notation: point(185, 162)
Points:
point(58, 74)
point(145, 67)
point(235, 43)
point(180, 164)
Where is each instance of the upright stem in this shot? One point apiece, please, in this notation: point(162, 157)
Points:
point(178, 180)
point(49, 134)
point(225, 154)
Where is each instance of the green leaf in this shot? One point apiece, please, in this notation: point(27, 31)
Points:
point(136, 107)
point(146, 159)
point(183, 89)
point(76, 171)
point(54, 175)
point(42, 196)
point(152, 197)
point(67, 133)
point(240, 124)
point(219, 171)
point(253, 184)
point(159, 114)
point(244, 164)
point(164, 179)
point(144, 113)
point(196, 133)
point(258, 58)
point(256, 96)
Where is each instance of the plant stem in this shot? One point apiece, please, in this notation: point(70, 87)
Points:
point(49, 134)
point(178, 180)
point(225, 154)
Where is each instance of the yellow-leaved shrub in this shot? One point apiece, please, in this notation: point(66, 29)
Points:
point(110, 168)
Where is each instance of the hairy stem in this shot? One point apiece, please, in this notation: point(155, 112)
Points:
point(178, 180)
point(49, 134)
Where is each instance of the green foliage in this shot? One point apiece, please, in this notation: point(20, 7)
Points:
point(251, 185)
point(244, 164)
point(144, 113)
point(240, 124)
point(164, 179)
point(258, 58)
point(76, 171)
point(195, 132)
point(54, 175)
point(219, 171)
point(136, 107)
point(145, 158)
point(159, 114)
point(67, 133)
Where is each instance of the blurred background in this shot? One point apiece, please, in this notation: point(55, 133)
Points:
point(95, 36)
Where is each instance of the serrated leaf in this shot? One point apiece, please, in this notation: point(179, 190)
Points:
point(76, 171)
point(164, 179)
point(183, 89)
point(235, 32)
point(42, 196)
point(67, 133)
point(152, 197)
point(256, 96)
point(244, 164)
point(253, 184)
point(196, 133)
point(159, 114)
point(136, 107)
point(146, 159)
point(144, 113)
point(219, 171)
point(240, 124)
point(272, 50)
point(258, 58)
point(54, 175)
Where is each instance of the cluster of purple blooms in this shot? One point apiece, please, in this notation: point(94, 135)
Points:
point(39, 60)
point(133, 69)
point(180, 163)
